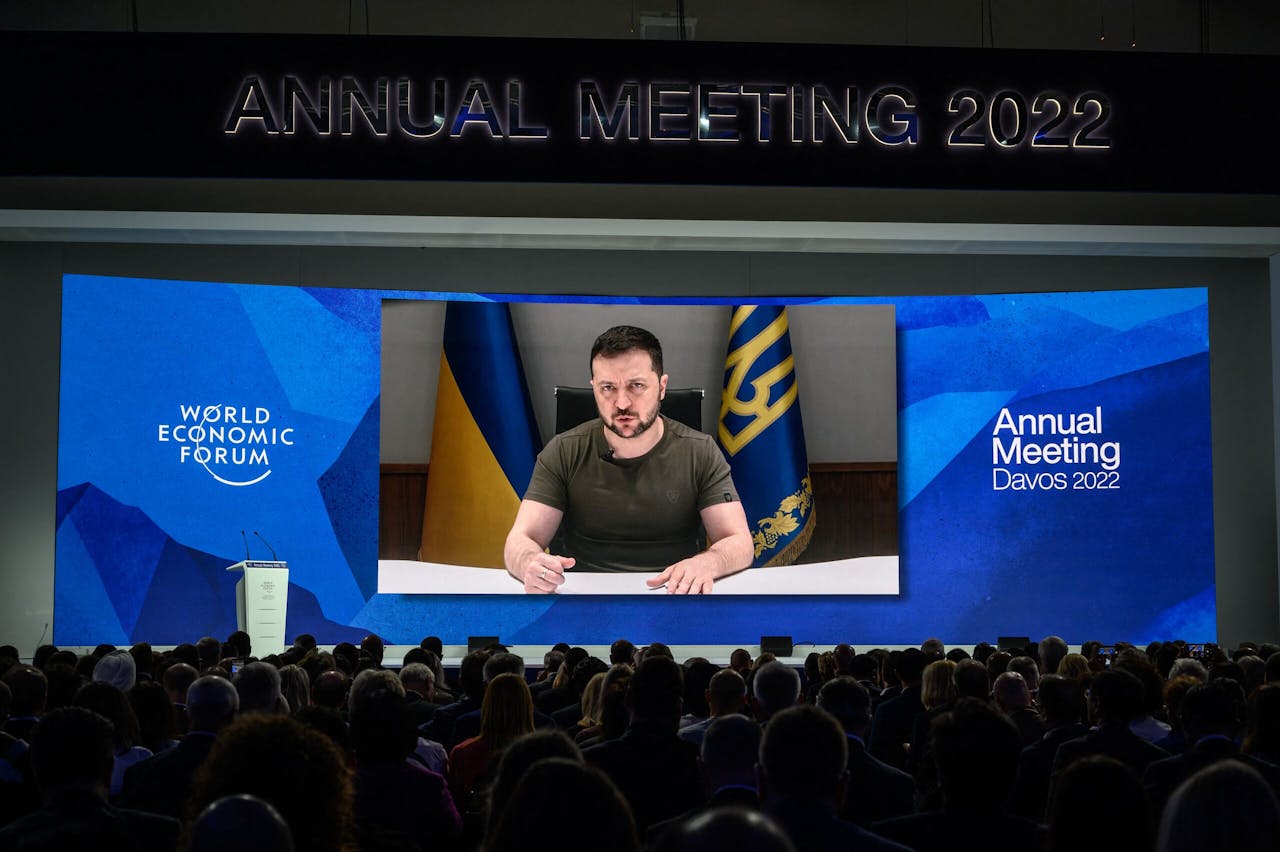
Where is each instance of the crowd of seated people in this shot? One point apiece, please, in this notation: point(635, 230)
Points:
point(1168, 747)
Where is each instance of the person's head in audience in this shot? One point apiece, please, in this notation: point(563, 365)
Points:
point(1271, 673)
point(658, 649)
point(1115, 698)
point(73, 748)
point(329, 722)
point(186, 653)
point(243, 823)
point(419, 679)
point(418, 655)
point(1255, 671)
point(209, 650)
point(865, 668)
point(803, 755)
point(909, 667)
point(432, 644)
point(212, 703)
point(956, 655)
point(740, 661)
point(243, 645)
point(1188, 667)
point(812, 673)
point(156, 719)
point(622, 651)
point(295, 686)
point(697, 680)
point(30, 690)
point(143, 660)
point(849, 703)
point(933, 649)
point(1010, 692)
point(1227, 805)
point(330, 690)
point(63, 684)
point(1263, 737)
point(583, 673)
point(1212, 709)
point(516, 759)
point(1030, 671)
point(110, 703)
point(1228, 669)
point(41, 657)
point(503, 663)
point(345, 656)
point(1167, 655)
point(506, 712)
point(983, 651)
point(601, 817)
point(371, 679)
point(259, 687)
point(590, 701)
point(101, 650)
point(1174, 691)
point(976, 750)
point(937, 686)
point(84, 666)
point(654, 693)
point(177, 679)
point(826, 666)
point(728, 753)
point(970, 677)
point(843, 655)
point(1093, 782)
point(998, 663)
point(382, 731)
point(304, 642)
point(726, 693)
point(721, 829)
point(1136, 663)
point(118, 669)
point(373, 647)
point(775, 688)
point(614, 715)
point(471, 674)
point(6, 701)
point(1052, 650)
point(572, 658)
point(1062, 701)
point(62, 658)
point(299, 771)
point(551, 663)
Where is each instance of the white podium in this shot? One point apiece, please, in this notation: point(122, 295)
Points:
point(262, 597)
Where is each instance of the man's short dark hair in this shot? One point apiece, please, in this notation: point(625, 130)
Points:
point(803, 753)
point(627, 338)
point(776, 686)
point(30, 689)
point(848, 701)
point(976, 749)
point(656, 688)
point(971, 680)
point(471, 674)
point(503, 663)
point(1118, 695)
point(622, 651)
point(432, 643)
point(72, 745)
point(1061, 699)
point(584, 671)
point(417, 655)
point(381, 728)
point(1215, 707)
point(910, 664)
point(730, 745)
point(259, 687)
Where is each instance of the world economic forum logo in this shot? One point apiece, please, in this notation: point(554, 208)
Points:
point(233, 443)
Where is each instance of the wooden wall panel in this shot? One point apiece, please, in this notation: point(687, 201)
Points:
point(856, 504)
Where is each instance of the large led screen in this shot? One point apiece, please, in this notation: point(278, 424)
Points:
point(1052, 454)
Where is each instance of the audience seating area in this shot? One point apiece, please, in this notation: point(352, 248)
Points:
point(205, 747)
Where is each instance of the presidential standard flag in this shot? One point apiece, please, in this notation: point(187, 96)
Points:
point(762, 435)
point(484, 440)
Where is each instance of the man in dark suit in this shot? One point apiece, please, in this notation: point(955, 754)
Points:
point(976, 751)
point(1061, 705)
point(160, 784)
point(655, 770)
point(1211, 715)
point(1115, 699)
point(419, 681)
point(895, 718)
point(73, 754)
point(876, 791)
point(802, 781)
point(1013, 696)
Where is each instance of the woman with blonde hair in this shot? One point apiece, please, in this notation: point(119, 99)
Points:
point(591, 702)
point(506, 714)
point(1076, 667)
point(937, 694)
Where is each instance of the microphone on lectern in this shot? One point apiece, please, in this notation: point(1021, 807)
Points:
point(268, 544)
point(247, 557)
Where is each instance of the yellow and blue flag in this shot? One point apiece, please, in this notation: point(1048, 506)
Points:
point(484, 441)
point(762, 435)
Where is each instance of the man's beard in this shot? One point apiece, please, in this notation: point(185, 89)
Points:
point(641, 423)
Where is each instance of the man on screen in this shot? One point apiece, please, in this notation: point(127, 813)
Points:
point(633, 489)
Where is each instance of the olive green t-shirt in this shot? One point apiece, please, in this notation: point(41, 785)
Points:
point(636, 514)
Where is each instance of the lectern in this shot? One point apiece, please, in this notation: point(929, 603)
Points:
point(262, 596)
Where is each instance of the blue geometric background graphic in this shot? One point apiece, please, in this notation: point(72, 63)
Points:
point(144, 535)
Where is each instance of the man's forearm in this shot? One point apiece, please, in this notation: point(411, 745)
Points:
point(731, 554)
point(516, 553)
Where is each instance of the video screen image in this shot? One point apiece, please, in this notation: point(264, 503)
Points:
point(1049, 456)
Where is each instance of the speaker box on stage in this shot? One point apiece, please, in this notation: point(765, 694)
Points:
point(1013, 643)
point(779, 646)
point(479, 643)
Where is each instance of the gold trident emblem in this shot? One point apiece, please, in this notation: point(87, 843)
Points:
point(757, 407)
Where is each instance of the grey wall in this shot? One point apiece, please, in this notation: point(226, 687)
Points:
point(845, 364)
point(1242, 372)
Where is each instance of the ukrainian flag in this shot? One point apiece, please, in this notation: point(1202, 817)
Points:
point(484, 440)
point(762, 435)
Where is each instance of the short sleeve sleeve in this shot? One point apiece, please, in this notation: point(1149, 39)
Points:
point(717, 480)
